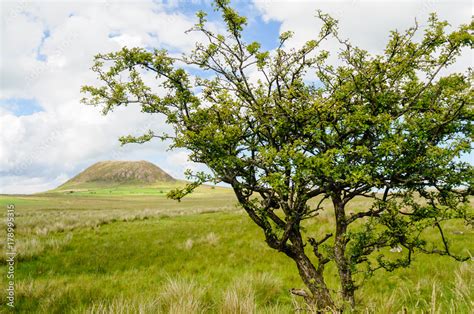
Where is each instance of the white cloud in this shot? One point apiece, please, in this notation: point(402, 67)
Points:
point(49, 47)
point(28, 184)
point(179, 160)
point(366, 23)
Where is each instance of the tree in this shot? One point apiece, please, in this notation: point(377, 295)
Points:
point(386, 127)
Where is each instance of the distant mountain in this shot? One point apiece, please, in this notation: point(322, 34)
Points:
point(115, 173)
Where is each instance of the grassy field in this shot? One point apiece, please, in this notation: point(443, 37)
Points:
point(131, 250)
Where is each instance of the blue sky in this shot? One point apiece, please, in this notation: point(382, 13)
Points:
point(47, 47)
point(265, 32)
point(20, 106)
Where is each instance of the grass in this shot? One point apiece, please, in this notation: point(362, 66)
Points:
point(129, 253)
point(138, 189)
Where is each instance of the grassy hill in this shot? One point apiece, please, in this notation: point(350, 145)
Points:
point(118, 173)
point(119, 178)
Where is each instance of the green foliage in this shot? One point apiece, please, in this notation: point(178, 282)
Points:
point(389, 122)
point(197, 180)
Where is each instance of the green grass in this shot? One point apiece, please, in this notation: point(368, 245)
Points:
point(140, 189)
point(132, 253)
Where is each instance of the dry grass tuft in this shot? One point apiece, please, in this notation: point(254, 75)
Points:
point(212, 239)
point(177, 296)
point(124, 306)
point(34, 246)
point(188, 244)
point(180, 296)
point(238, 299)
point(242, 294)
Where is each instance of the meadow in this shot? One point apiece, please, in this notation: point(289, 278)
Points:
point(132, 250)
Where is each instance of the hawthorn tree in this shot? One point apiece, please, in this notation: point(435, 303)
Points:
point(386, 127)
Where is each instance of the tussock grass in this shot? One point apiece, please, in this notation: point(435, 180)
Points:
point(188, 244)
point(27, 248)
point(430, 295)
point(212, 239)
point(181, 296)
point(239, 298)
point(252, 291)
point(123, 306)
point(464, 285)
point(177, 296)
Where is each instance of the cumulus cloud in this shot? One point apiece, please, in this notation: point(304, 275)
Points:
point(49, 48)
point(366, 23)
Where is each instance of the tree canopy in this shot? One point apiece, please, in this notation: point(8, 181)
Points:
point(291, 133)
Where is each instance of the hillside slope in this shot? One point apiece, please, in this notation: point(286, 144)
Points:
point(116, 173)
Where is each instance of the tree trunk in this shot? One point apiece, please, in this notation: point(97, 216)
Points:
point(314, 280)
point(345, 273)
point(320, 296)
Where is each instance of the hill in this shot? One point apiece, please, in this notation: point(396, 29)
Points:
point(118, 173)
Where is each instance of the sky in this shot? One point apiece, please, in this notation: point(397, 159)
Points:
point(47, 47)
